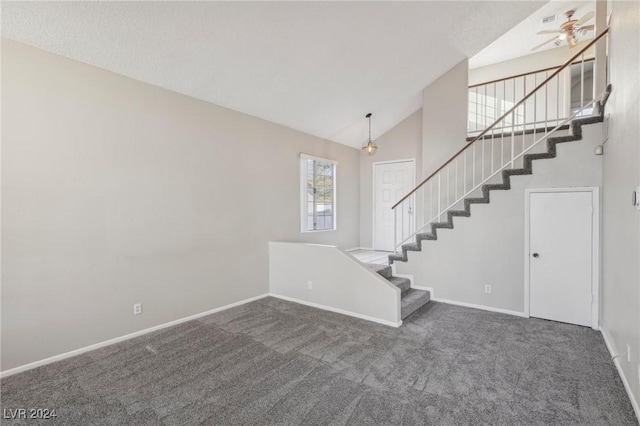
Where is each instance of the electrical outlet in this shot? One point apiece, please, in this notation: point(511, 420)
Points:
point(628, 353)
point(137, 309)
point(310, 285)
point(487, 289)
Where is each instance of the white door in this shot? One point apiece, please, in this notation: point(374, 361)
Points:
point(391, 181)
point(560, 256)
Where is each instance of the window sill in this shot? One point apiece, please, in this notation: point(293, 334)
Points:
point(317, 230)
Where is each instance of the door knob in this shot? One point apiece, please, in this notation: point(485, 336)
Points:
point(536, 255)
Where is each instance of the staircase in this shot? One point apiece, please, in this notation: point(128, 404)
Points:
point(410, 299)
point(413, 299)
point(575, 135)
point(488, 161)
point(504, 149)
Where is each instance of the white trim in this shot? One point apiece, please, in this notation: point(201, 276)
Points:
point(595, 254)
point(482, 307)
point(616, 361)
point(99, 345)
point(527, 243)
point(402, 160)
point(338, 311)
point(313, 157)
point(373, 197)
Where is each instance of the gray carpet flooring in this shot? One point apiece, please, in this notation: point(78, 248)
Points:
point(280, 363)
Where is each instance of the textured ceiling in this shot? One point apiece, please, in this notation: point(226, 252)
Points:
point(318, 67)
point(523, 37)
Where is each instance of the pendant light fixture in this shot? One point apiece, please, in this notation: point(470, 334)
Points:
point(369, 148)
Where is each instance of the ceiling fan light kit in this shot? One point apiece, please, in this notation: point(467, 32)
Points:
point(569, 30)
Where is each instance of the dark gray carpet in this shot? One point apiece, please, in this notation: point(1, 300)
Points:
point(275, 362)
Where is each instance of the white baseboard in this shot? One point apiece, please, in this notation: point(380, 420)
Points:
point(338, 311)
point(482, 307)
point(80, 351)
point(625, 382)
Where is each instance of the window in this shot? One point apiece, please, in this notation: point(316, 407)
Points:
point(318, 193)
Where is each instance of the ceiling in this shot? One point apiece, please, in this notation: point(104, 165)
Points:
point(523, 37)
point(318, 67)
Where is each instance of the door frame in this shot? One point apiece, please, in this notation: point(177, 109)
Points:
point(373, 198)
point(595, 250)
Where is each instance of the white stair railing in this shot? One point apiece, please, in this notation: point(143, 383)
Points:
point(499, 146)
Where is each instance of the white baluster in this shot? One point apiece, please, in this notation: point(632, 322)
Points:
point(582, 81)
point(464, 180)
point(395, 229)
point(546, 102)
point(439, 194)
point(456, 179)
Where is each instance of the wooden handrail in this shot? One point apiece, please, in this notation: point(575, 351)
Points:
point(503, 116)
point(511, 77)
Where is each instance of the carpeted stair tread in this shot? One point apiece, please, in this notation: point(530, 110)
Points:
point(384, 270)
point(411, 247)
point(516, 172)
point(474, 200)
point(426, 236)
point(397, 256)
point(404, 284)
point(457, 213)
point(561, 139)
point(442, 225)
point(412, 300)
point(495, 187)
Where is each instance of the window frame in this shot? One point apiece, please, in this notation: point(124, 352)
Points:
point(304, 199)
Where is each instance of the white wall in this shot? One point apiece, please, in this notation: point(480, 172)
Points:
point(340, 283)
point(444, 117)
point(402, 142)
point(488, 247)
point(621, 228)
point(116, 192)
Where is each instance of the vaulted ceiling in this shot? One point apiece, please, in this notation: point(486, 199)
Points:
point(318, 67)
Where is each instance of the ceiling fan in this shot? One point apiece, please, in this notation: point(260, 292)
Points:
point(569, 30)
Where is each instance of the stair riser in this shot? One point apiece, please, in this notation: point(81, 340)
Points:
point(409, 308)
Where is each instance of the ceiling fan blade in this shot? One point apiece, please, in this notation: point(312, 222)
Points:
point(548, 41)
point(585, 18)
point(587, 28)
point(549, 32)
